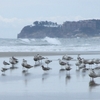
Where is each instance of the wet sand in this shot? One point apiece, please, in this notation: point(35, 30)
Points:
point(51, 85)
point(8, 54)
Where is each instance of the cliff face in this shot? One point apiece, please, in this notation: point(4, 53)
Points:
point(39, 32)
point(84, 28)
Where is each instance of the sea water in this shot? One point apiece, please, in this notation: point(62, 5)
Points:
point(50, 44)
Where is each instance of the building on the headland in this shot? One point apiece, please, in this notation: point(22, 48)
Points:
point(72, 25)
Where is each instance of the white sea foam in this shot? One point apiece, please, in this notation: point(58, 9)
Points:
point(45, 48)
point(52, 40)
point(32, 39)
point(25, 40)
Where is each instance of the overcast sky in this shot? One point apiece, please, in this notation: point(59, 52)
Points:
point(15, 14)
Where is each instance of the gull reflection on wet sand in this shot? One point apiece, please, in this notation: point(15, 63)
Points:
point(93, 84)
point(45, 76)
point(67, 78)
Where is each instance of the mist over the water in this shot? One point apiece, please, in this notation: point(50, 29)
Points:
point(50, 44)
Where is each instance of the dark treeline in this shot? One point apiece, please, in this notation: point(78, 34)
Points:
point(45, 23)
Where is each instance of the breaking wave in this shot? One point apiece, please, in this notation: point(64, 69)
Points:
point(52, 40)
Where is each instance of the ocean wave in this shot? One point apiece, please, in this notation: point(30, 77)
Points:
point(25, 40)
point(52, 40)
point(50, 44)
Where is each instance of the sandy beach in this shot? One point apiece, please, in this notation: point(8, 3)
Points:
point(52, 85)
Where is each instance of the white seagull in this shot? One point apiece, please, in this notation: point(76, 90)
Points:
point(48, 61)
point(92, 74)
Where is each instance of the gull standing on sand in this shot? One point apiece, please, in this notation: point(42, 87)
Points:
point(78, 63)
point(67, 67)
point(84, 61)
point(82, 66)
point(13, 62)
point(14, 58)
point(62, 63)
point(45, 68)
point(48, 61)
point(78, 57)
point(36, 59)
point(66, 57)
point(28, 66)
point(93, 75)
point(90, 62)
point(97, 61)
point(40, 58)
point(5, 63)
point(25, 65)
point(5, 69)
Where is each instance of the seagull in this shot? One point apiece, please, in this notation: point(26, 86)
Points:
point(84, 61)
point(78, 63)
point(15, 59)
point(45, 68)
point(98, 67)
point(90, 62)
point(61, 62)
point(82, 66)
point(28, 66)
point(78, 57)
point(12, 61)
point(67, 67)
point(92, 74)
point(97, 61)
point(41, 58)
point(25, 65)
point(36, 58)
point(4, 69)
point(5, 63)
point(66, 57)
point(47, 62)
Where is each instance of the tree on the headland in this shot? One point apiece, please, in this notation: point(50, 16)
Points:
point(45, 23)
point(36, 23)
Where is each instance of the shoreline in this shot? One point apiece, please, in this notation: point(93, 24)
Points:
point(48, 53)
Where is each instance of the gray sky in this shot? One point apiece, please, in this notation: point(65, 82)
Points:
point(15, 14)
